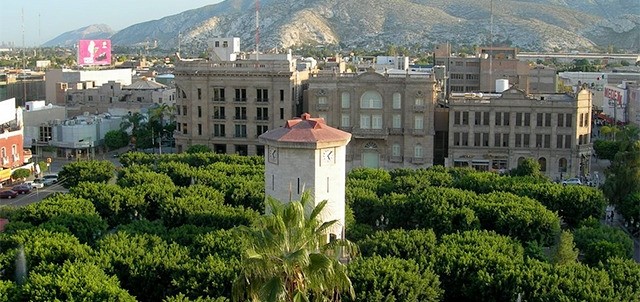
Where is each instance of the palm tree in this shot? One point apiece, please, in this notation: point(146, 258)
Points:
point(132, 121)
point(289, 259)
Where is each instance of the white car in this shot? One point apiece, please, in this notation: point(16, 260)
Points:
point(35, 185)
point(572, 181)
point(44, 181)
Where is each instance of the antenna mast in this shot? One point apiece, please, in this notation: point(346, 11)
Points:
point(257, 29)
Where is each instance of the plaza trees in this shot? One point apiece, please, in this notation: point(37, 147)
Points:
point(92, 171)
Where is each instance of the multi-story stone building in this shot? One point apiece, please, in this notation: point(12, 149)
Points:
point(479, 72)
point(494, 132)
point(225, 102)
point(390, 115)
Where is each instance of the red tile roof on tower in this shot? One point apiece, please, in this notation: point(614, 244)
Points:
point(306, 130)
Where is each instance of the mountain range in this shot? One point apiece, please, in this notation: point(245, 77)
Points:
point(536, 25)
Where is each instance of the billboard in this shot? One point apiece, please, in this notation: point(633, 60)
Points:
point(94, 52)
point(8, 111)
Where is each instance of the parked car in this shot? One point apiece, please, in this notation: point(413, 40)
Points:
point(8, 194)
point(44, 182)
point(52, 177)
point(572, 181)
point(22, 188)
point(34, 185)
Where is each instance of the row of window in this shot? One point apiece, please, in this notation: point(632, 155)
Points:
point(370, 100)
point(14, 153)
point(240, 95)
point(501, 164)
point(219, 130)
point(469, 76)
point(375, 121)
point(219, 112)
point(522, 140)
point(521, 118)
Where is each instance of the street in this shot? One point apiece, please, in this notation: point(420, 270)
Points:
point(34, 196)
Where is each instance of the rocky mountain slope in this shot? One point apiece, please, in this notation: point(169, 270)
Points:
point(96, 31)
point(529, 24)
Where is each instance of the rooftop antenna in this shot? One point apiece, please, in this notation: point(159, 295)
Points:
point(257, 30)
point(492, 82)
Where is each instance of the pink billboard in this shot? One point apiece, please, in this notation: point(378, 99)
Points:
point(94, 52)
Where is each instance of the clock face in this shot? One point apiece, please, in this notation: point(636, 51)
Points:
point(273, 155)
point(328, 156)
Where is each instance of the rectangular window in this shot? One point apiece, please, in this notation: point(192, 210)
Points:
point(199, 129)
point(457, 76)
point(457, 115)
point(241, 131)
point(418, 122)
point(498, 117)
point(506, 117)
point(262, 95)
point(184, 128)
point(345, 100)
point(397, 101)
point(518, 140)
point(345, 121)
point(199, 111)
point(322, 100)
point(567, 141)
point(376, 121)
point(547, 141)
point(419, 102)
point(477, 118)
point(262, 113)
point(477, 139)
point(526, 140)
point(261, 129)
point(560, 119)
point(184, 110)
point(281, 113)
point(519, 119)
point(464, 137)
point(178, 110)
point(539, 120)
point(395, 150)
point(539, 142)
point(505, 139)
point(456, 138)
point(497, 139)
point(547, 119)
point(241, 113)
point(281, 95)
point(219, 130)
point(218, 94)
point(218, 112)
point(581, 120)
point(365, 122)
point(485, 118)
point(241, 95)
point(199, 94)
point(225, 43)
point(465, 118)
point(527, 119)
point(568, 120)
point(396, 121)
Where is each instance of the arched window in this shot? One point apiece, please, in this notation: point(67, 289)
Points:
point(418, 151)
point(4, 152)
point(371, 100)
point(562, 165)
point(543, 164)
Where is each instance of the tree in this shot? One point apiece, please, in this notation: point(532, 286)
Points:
point(288, 257)
point(20, 174)
point(528, 167)
point(564, 252)
point(92, 171)
point(597, 243)
point(115, 139)
point(198, 149)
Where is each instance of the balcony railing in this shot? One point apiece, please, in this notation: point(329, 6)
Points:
point(218, 100)
point(419, 108)
point(396, 131)
point(262, 100)
point(322, 107)
point(262, 118)
point(240, 100)
point(395, 159)
point(240, 117)
point(369, 133)
point(219, 117)
point(418, 132)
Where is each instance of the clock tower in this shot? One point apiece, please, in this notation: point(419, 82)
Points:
point(307, 154)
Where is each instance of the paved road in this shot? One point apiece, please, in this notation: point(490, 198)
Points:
point(34, 196)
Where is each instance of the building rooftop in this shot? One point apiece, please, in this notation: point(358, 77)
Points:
point(306, 130)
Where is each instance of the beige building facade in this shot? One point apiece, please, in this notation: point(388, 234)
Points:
point(390, 116)
point(494, 132)
point(227, 101)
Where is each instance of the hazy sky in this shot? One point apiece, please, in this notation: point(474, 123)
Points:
point(46, 19)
